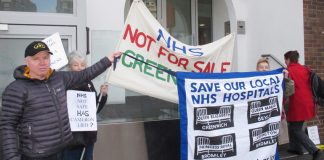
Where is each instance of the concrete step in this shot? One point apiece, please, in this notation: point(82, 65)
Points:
point(284, 155)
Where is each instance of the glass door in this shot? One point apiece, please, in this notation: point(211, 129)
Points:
point(189, 21)
point(205, 21)
point(178, 20)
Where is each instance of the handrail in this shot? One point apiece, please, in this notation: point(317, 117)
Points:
point(275, 59)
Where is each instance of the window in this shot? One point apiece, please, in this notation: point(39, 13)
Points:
point(205, 22)
point(150, 4)
point(178, 20)
point(48, 6)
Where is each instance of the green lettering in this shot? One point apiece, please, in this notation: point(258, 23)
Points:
point(139, 63)
point(124, 58)
point(158, 72)
point(148, 67)
point(173, 78)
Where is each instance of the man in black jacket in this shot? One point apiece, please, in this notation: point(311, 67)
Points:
point(34, 120)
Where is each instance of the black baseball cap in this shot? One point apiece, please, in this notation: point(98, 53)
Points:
point(35, 47)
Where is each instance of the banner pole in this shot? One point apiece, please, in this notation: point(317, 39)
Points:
point(83, 150)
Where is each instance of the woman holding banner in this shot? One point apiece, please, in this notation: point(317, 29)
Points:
point(81, 148)
point(263, 65)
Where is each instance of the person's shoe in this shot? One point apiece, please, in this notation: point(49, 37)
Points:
point(318, 155)
point(295, 152)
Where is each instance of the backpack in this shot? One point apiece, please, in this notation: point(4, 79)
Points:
point(317, 87)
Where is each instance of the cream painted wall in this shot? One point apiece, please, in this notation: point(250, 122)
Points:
point(272, 27)
point(105, 14)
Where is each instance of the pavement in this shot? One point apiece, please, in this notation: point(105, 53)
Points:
point(284, 155)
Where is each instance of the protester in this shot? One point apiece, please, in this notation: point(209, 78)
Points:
point(263, 65)
point(34, 120)
point(301, 108)
point(83, 142)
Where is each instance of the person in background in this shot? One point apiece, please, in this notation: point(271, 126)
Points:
point(83, 142)
point(301, 108)
point(34, 119)
point(264, 65)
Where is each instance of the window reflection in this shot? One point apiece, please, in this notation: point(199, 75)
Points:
point(205, 23)
point(179, 20)
point(49, 6)
point(151, 5)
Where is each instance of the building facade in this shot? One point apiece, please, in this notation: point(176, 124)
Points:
point(142, 126)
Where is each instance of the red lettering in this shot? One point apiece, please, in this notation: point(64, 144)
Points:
point(209, 67)
point(223, 69)
point(140, 38)
point(161, 51)
point(196, 65)
point(183, 62)
point(140, 34)
point(131, 35)
point(173, 58)
point(150, 42)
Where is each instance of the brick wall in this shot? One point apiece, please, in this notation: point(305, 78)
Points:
point(314, 47)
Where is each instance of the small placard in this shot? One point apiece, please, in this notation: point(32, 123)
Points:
point(82, 110)
point(59, 58)
point(313, 134)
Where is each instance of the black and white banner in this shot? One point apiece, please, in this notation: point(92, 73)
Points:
point(230, 115)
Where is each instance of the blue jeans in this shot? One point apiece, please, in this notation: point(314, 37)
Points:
point(75, 153)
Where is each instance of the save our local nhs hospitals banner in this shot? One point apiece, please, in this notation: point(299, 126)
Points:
point(145, 39)
point(230, 116)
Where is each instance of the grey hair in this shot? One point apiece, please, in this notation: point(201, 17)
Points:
point(76, 55)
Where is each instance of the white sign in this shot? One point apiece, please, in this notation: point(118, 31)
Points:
point(143, 37)
point(230, 116)
point(313, 134)
point(54, 43)
point(82, 110)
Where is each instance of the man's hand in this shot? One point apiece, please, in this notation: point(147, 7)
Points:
point(112, 56)
point(285, 73)
point(104, 89)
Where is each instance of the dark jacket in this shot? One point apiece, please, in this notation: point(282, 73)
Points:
point(87, 137)
point(34, 119)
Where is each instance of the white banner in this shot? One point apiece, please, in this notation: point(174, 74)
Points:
point(144, 38)
point(230, 116)
point(82, 110)
point(54, 43)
